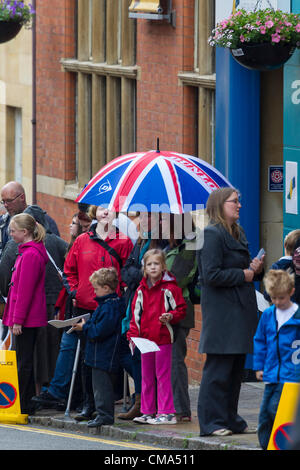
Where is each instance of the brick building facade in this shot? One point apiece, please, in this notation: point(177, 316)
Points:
point(106, 85)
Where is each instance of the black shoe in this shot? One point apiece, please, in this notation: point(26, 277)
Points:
point(46, 400)
point(86, 414)
point(97, 422)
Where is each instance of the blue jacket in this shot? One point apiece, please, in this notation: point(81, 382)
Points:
point(277, 353)
point(103, 332)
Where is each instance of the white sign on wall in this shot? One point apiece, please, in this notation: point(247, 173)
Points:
point(224, 7)
point(291, 187)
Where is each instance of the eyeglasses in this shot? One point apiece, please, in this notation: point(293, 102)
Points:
point(9, 201)
point(235, 201)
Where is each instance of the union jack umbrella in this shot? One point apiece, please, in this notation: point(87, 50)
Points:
point(153, 181)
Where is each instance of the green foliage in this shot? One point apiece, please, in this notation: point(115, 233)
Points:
point(17, 11)
point(256, 27)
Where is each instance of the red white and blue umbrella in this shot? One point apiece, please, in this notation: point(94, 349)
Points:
point(153, 181)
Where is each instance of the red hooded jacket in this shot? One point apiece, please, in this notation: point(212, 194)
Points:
point(87, 256)
point(149, 303)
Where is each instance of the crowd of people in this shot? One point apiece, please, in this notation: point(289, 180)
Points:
point(103, 273)
point(141, 286)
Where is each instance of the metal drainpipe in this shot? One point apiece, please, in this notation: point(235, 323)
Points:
point(33, 121)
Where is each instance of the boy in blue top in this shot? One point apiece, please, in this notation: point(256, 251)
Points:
point(103, 331)
point(276, 347)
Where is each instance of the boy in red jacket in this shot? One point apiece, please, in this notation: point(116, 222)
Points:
point(158, 303)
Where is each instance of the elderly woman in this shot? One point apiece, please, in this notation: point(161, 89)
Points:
point(229, 312)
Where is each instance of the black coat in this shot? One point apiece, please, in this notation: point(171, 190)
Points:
point(228, 303)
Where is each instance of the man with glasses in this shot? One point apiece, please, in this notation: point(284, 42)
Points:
point(13, 199)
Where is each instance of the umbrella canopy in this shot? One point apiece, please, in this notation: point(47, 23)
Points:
point(154, 181)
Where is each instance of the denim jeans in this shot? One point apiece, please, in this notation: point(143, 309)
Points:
point(60, 383)
point(268, 410)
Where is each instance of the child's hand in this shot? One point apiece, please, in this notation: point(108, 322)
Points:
point(165, 318)
point(78, 326)
point(259, 374)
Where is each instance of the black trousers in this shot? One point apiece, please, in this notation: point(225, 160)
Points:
point(103, 386)
point(24, 345)
point(219, 393)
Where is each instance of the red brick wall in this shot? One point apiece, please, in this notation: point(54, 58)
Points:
point(55, 104)
point(166, 109)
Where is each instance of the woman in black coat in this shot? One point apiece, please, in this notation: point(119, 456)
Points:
point(229, 313)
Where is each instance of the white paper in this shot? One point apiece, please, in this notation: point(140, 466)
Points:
point(69, 322)
point(145, 345)
point(262, 303)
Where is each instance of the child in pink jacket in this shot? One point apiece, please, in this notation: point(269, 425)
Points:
point(25, 310)
point(158, 304)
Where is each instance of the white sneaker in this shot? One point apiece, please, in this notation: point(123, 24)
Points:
point(144, 419)
point(163, 419)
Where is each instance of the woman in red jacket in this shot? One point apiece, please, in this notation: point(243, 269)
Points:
point(26, 310)
point(158, 303)
point(102, 247)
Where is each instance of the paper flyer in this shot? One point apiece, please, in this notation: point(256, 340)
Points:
point(145, 345)
point(69, 322)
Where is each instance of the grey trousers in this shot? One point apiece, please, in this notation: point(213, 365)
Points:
point(103, 388)
point(180, 382)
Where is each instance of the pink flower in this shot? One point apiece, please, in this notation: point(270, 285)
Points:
point(275, 37)
point(269, 24)
point(242, 39)
point(297, 28)
point(263, 30)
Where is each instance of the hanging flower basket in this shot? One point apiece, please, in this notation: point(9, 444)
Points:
point(9, 30)
point(13, 15)
point(264, 56)
point(260, 40)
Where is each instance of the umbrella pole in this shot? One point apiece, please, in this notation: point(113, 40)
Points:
point(125, 391)
point(67, 412)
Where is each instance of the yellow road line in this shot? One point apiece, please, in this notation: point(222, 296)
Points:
point(75, 436)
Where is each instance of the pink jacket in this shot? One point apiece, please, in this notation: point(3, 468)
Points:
point(26, 301)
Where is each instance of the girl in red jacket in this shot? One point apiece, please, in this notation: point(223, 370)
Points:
point(158, 303)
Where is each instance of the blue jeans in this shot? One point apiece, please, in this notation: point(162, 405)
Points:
point(60, 383)
point(268, 410)
point(132, 364)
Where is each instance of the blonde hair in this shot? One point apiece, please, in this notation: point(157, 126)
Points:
point(279, 282)
point(154, 252)
point(215, 211)
point(290, 241)
point(27, 222)
point(105, 277)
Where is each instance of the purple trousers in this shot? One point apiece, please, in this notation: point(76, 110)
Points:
point(156, 381)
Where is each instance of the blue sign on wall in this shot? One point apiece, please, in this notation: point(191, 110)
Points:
point(275, 178)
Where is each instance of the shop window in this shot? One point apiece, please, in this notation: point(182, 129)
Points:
point(106, 76)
